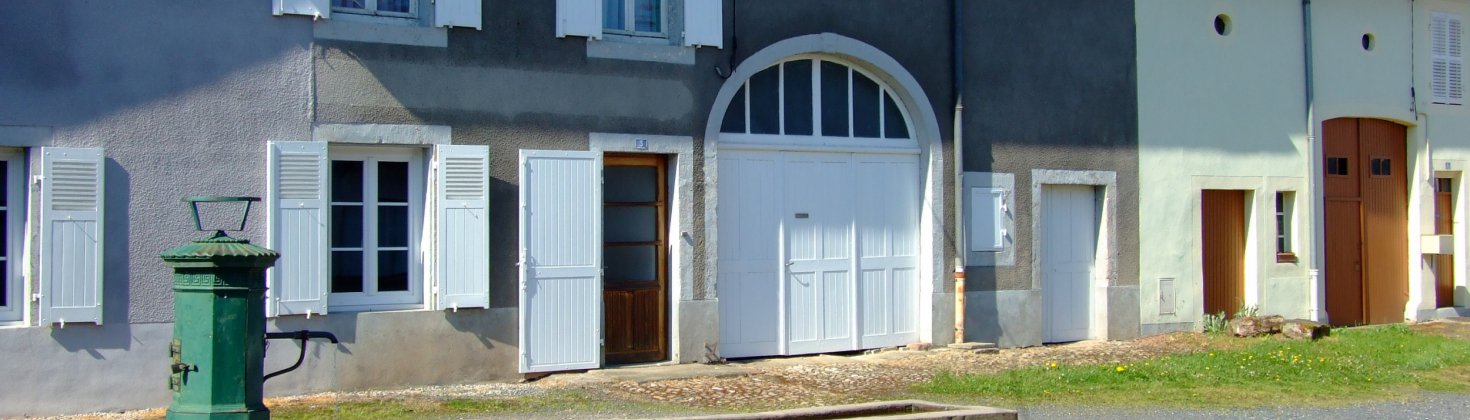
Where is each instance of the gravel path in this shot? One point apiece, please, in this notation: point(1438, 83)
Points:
point(1433, 406)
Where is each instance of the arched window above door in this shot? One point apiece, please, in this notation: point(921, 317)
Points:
point(815, 97)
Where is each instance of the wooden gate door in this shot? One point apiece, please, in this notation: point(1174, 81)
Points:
point(1366, 192)
point(1444, 224)
point(1223, 245)
point(636, 256)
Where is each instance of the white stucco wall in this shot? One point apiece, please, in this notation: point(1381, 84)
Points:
point(1446, 132)
point(1218, 112)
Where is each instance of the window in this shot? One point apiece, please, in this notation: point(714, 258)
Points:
point(1381, 167)
point(1337, 166)
point(1446, 83)
point(815, 97)
point(395, 8)
point(376, 204)
point(352, 218)
point(633, 17)
point(1285, 200)
point(12, 216)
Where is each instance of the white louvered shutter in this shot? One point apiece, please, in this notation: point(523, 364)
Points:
point(298, 227)
point(704, 23)
point(579, 18)
point(461, 13)
point(71, 235)
point(561, 260)
point(1447, 66)
point(463, 193)
point(315, 8)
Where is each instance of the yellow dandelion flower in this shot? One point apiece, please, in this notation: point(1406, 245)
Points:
point(1120, 369)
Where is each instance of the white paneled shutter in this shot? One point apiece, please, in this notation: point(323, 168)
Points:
point(463, 190)
point(704, 23)
point(1447, 70)
point(579, 18)
point(71, 235)
point(315, 8)
point(461, 13)
point(560, 260)
point(298, 214)
point(987, 219)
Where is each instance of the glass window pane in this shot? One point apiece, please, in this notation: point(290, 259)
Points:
point(349, 4)
point(864, 106)
point(894, 126)
point(735, 114)
point(396, 6)
point(346, 271)
point(392, 226)
point(765, 102)
point(648, 15)
point(630, 184)
point(799, 97)
point(4, 286)
point(4, 181)
point(834, 99)
point(612, 15)
point(392, 271)
point(630, 224)
point(4, 243)
point(347, 181)
point(393, 182)
point(630, 263)
point(347, 226)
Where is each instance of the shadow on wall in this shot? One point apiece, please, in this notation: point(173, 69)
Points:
point(982, 313)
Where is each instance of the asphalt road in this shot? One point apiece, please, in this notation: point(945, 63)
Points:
point(1432, 406)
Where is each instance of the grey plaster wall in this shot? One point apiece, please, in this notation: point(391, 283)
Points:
point(182, 99)
point(1052, 85)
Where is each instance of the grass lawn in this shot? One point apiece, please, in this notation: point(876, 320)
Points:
point(1355, 364)
point(558, 404)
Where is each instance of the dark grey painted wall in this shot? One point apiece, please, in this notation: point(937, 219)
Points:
point(1052, 85)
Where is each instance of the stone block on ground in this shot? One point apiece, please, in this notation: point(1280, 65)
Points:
point(918, 346)
point(1301, 329)
point(1245, 326)
point(1272, 324)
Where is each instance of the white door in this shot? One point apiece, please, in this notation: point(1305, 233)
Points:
point(1069, 244)
point(561, 260)
point(887, 204)
point(749, 283)
point(819, 252)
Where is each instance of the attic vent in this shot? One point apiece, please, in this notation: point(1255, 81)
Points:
point(464, 178)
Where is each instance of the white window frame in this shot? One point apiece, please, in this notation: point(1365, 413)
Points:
point(1285, 209)
point(369, 299)
point(13, 309)
point(371, 9)
point(630, 23)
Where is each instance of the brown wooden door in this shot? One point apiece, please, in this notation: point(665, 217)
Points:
point(1366, 190)
point(1223, 243)
point(1444, 224)
point(635, 252)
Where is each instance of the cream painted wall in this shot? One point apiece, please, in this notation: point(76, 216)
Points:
point(1219, 112)
point(1447, 134)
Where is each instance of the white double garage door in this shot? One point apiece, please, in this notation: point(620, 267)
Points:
point(817, 251)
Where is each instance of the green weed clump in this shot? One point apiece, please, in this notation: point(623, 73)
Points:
point(1353, 365)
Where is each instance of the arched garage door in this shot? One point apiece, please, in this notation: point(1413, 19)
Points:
point(818, 213)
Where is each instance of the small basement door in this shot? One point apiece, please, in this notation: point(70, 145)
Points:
point(1069, 234)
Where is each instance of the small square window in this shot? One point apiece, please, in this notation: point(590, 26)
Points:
point(1337, 166)
point(1381, 167)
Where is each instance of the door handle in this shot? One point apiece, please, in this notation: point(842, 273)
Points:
point(789, 263)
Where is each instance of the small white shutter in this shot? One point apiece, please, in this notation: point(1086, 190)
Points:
point(461, 13)
point(315, 8)
point(579, 18)
point(71, 235)
point(561, 260)
point(704, 23)
point(298, 227)
point(463, 192)
point(1447, 66)
point(987, 219)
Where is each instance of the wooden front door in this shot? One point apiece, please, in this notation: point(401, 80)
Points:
point(1366, 190)
point(1444, 224)
point(635, 228)
point(1223, 245)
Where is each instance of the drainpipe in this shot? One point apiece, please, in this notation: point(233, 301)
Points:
point(958, 58)
point(1314, 148)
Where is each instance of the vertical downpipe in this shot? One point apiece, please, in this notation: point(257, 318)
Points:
point(1318, 311)
point(957, 56)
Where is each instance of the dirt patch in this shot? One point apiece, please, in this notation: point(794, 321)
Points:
point(1456, 328)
